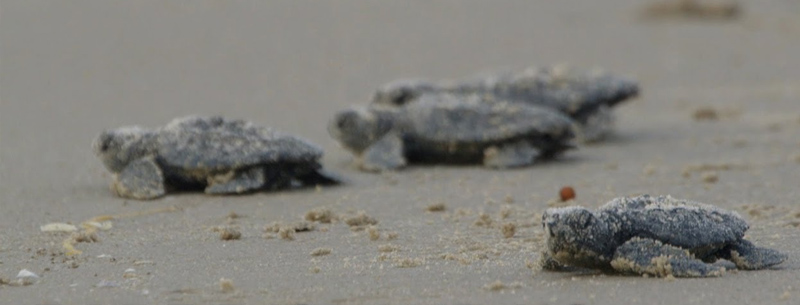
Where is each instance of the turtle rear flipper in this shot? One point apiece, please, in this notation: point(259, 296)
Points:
point(517, 154)
point(385, 154)
point(237, 182)
point(141, 179)
point(320, 177)
point(749, 257)
point(648, 256)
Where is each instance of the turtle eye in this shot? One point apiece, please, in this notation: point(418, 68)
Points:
point(403, 97)
point(106, 143)
point(103, 143)
point(345, 120)
point(345, 123)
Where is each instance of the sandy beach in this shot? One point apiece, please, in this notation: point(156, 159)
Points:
point(717, 121)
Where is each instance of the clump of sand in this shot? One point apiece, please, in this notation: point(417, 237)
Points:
point(361, 219)
point(436, 207)
point(321, 251)
point(484, 220)
point(710, 177)
point(286, 231)
point(300, 226)
point(499, 285)
point(509, 229)
point(695, 9)
point(461, 258)
point(85, 237)
point(505, 212)
point(388, 248)
point(228, 233)
point(373, 233)
point(705, 114)
point(711, 167)
point(408, 262)
point(321, 215)
point(226, 285)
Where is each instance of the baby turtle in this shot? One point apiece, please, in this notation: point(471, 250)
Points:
point(657, 236)
point(452, 128)
point(223, 156)
point(585, 96)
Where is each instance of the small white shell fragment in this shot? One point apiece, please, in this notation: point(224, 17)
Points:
point(226, 285)
point(25, 273)
point(129, 273)
point(58, 227)
point(25, 277)
point(105, 225)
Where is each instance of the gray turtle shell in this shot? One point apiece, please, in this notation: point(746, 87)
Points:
point(472, 119)
point(214, 143)
point(576, 92)
point(687, 224)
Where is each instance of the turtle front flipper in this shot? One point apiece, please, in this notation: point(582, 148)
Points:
point(237, 182)
point(549, 263)
point(747, 256)
point(385, 154)
point(595, 126)
point(141, 179)
point(648, 256)
point(515, 154)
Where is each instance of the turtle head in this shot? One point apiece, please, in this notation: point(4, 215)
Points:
point(357, 128)
point(118, 147)
point(402, 91)
point(577, 237)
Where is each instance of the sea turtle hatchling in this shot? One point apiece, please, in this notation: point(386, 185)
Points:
point(658, 236)
point(451, 128)
point(586, 96)
point(220, 155)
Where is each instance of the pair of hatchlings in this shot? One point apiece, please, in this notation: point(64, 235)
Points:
point(502, 120)
point(507, 119)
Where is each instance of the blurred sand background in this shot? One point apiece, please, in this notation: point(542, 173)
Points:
point(70, 69)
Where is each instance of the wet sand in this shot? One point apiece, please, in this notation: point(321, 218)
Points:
point(72, 68)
